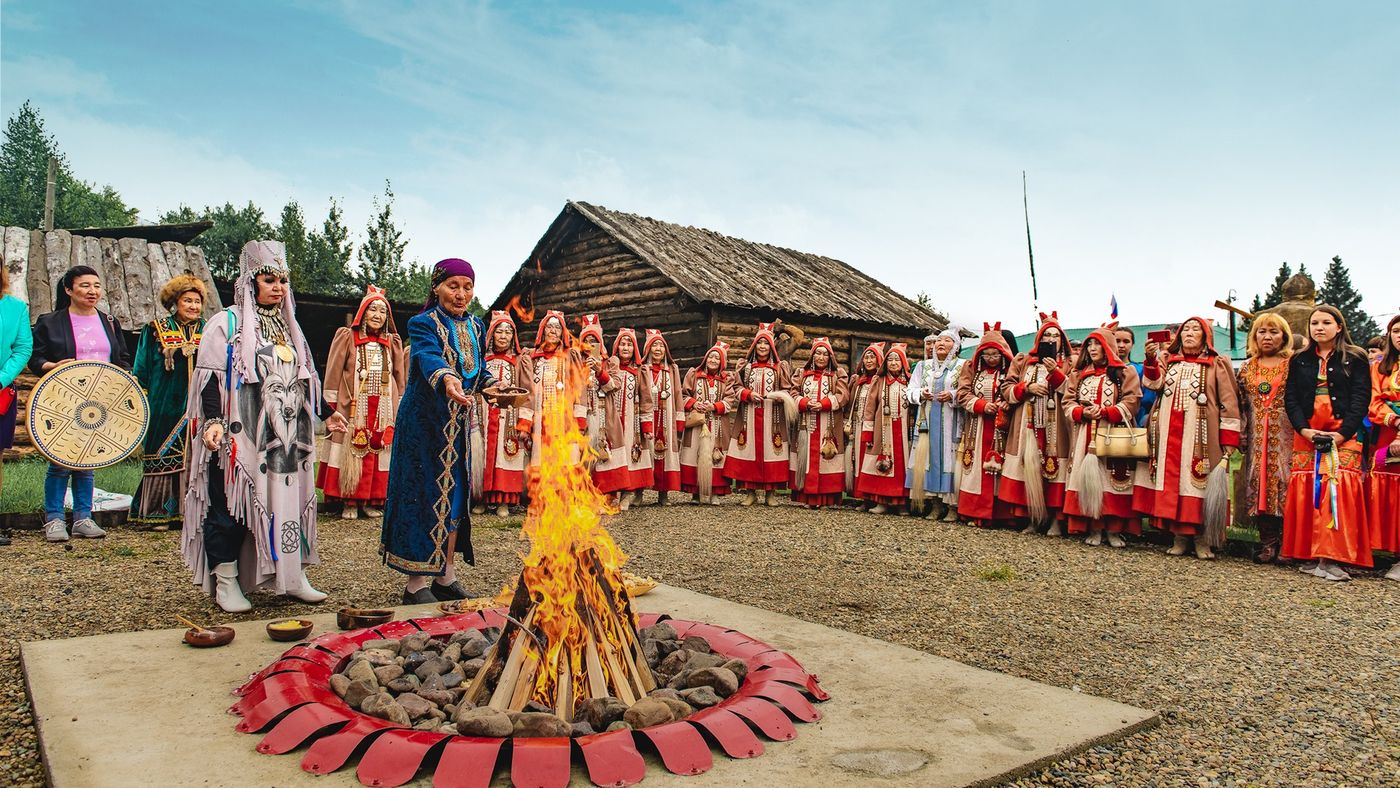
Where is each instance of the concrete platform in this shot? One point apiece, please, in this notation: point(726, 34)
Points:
point(141, 708)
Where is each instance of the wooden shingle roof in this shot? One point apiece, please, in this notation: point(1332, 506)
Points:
point(715, 268)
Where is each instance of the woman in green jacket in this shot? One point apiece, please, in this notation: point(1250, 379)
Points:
point(164, 355)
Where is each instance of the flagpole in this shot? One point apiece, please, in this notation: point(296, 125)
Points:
point(1030, 253)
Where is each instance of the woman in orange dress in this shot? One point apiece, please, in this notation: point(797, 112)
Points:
point(1385, 473)
point(1267, 438)
point(1328, 391)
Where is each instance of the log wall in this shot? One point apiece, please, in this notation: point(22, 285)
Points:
point(737, 327)
point(132, 270)
point(589, 271)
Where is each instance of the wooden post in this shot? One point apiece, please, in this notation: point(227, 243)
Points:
point(50, 184)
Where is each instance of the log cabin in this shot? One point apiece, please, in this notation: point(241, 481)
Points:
point(698, 286)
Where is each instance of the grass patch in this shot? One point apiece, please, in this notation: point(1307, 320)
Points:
point(24, 483)
point(996, 573)
point(504, 524)
point(1321, 604)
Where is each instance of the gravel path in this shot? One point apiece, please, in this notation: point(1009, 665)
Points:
point(1263, 676)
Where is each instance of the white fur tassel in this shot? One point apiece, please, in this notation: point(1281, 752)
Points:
point(705, 463)
point(789, 405)
point(1217, 504)
point(1088, 485)
point(917, 493)
point(478, 461)
point(1034, 482)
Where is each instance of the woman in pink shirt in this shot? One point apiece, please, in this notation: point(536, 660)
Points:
point(75, 331)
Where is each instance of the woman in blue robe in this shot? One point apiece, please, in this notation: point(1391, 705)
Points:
point(427, 514)
point(931, 388)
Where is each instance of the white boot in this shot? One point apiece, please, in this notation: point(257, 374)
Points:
point(879, 508)
point(1179, 545)
point(749, 499)
point(305, 592)
point(227, 593)
point(1394, 573)
point(503, 511)
point(1056, 529)
point(1095, 538)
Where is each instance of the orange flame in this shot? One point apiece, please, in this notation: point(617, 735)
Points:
point(526, 314)
point(566, 533)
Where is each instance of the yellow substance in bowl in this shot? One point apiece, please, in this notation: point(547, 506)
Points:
point(292, 624)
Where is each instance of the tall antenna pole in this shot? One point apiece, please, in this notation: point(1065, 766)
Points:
point(1030, 253)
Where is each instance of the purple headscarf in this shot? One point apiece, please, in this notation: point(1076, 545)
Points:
point(444, 270)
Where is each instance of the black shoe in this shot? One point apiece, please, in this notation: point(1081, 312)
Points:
point(449, 591)
point(420, 597)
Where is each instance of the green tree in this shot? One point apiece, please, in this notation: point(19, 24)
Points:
point(381, 255)
point(291, 231)
point(24, 164)
point(1338, 291)
point(222, 243)
point(329, 251)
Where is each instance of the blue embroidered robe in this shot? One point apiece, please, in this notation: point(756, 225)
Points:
point(943, 420)
point(428, 493)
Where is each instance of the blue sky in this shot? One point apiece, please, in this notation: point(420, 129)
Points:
point(1175, 150)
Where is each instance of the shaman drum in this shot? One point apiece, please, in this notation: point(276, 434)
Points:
point(88, 414)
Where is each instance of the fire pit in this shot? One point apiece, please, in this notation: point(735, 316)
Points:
point(292, 701)
point(568, 669)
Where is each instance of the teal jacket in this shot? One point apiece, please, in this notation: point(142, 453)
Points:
point(16, 341)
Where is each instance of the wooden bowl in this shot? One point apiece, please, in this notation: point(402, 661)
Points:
point(362, 618)
point(209, 638)
point(510, 396)
point(287, 634)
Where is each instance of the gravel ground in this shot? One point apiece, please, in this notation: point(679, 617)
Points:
point(1262, 676)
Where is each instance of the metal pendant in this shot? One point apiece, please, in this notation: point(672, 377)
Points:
point(1201, 398)
point(284, 353)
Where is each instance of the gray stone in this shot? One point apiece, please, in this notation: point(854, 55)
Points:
point(470, 667)
point(361, 670)
point(700, 697)
point(448, 728)
point(738, 667)
point(416, 705)
point(434, 682)
point(679, 708)
point(378, 657)
point(665, 692)
point(677, 681)
point(339, 684)
point(435, 666)
point(356, 693)
point(383, 706)
point(402, 684)
point(453, 678)
point(661, 631)
point(388, 673)
point(674, 662)
point(426, 724)
point(538, 724)
point(700, 659)
point(721, 680)
point(620, 725)
point(696, 643)
point(581, 729)
point(414, 659)
point(474, 646)
point(651, 653)
point(440, 698)
point(418, 641)
point(453, 652)
point(535, 705)
point(599, 713)
point(647, 712)
point(385, 645)
point(482, 722)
